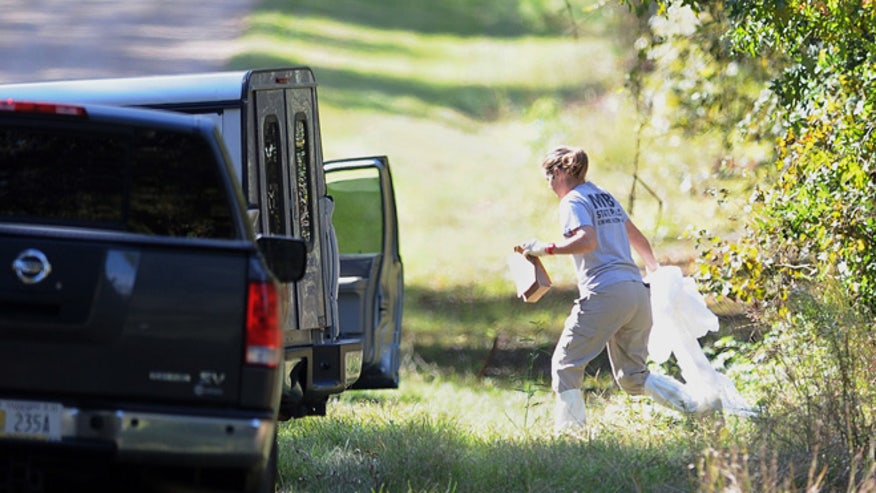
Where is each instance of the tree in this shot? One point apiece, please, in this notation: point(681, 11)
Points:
point(805, 258)
point(815, 218)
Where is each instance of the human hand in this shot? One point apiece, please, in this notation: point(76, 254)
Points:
point(536, 248)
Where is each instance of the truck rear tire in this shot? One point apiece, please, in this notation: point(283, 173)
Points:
point(265, 480)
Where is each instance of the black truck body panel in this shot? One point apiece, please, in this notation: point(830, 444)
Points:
point(127, 297)
point(111, 309)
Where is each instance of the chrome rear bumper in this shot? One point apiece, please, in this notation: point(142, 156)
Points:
point(173, 437)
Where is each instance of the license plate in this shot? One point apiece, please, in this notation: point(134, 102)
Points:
point(30, 420)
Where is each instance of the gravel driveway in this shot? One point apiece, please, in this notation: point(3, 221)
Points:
point(64, 39)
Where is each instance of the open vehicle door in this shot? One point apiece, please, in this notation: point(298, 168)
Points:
point(371, 286)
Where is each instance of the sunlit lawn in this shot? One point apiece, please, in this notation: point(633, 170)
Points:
point(465, 119)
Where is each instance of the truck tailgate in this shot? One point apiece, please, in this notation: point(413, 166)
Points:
point(119, 320)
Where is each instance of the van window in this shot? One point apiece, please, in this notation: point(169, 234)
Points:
point(303, 179)
point(358, 216)
point(276, 209)
point(152, 182)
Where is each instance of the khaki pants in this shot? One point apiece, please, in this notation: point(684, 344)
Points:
point(617, 317)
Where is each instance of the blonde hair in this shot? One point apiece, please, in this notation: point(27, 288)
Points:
point(573, 160)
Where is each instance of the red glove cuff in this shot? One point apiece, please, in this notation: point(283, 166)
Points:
point(550, 248)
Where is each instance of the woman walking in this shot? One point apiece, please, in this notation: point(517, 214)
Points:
point(613, 309)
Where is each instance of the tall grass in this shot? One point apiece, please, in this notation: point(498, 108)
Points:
point(820, 391)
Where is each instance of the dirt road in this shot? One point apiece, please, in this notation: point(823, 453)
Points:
point(63, 39)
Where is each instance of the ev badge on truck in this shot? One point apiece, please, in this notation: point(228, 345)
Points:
point(31, 266)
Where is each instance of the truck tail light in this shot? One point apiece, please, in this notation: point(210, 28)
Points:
point(51, 108)
point(264, 338)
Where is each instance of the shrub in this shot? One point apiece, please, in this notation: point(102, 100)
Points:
point(816, 368)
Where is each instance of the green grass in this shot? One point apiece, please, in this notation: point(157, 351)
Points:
point(439, 434)
point(465, 97)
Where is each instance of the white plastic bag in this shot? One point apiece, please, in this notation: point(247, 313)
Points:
point(681, 316)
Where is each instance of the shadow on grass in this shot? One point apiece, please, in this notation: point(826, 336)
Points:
point(499, 18)
point(465, 333)
point(375, 92)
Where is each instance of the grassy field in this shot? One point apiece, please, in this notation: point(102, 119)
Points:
point(465, 108)
point(465, 96)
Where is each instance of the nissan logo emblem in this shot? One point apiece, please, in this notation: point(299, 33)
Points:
point(31, 266)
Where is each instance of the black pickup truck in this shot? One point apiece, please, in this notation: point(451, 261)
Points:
point(140, 316)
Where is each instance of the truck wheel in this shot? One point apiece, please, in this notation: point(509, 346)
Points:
point(264, 481)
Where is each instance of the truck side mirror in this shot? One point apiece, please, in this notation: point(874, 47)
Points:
point(286, 257)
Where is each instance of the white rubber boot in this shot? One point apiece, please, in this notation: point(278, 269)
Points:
point(569, 411)
point(672, 394)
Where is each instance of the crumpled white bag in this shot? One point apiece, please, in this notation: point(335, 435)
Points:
point(680, 317)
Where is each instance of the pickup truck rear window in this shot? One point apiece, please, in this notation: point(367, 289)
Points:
point(153, 182)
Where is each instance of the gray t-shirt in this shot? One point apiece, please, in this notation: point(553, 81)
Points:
point(612, 260)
